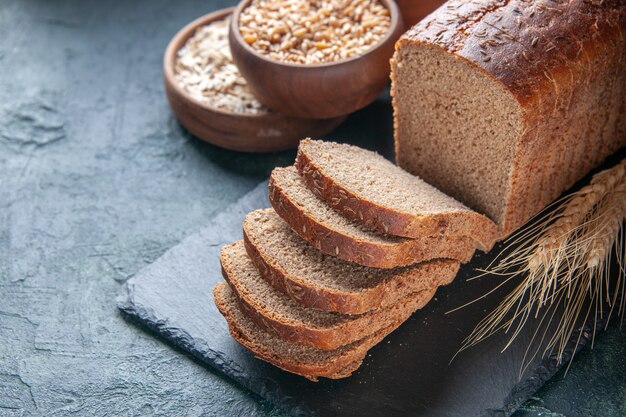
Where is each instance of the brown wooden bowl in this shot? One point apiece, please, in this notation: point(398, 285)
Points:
point(317, 90)
point(265, 132)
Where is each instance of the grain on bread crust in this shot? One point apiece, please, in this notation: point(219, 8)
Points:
point(277, 313)
point(506, 104)
point(335, 235)
point(365, 187)
point(316, 280)
point(301, 360)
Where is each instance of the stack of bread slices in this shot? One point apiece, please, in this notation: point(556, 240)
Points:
point(351, 248)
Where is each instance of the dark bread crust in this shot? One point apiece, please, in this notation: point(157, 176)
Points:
point(549, 57)
point(386, 219)
point(407, 280)
point(343, 332)
point(525, 45)
point(364, 252)
point(340, 365)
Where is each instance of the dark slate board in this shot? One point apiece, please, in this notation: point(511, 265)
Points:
point(407, 374)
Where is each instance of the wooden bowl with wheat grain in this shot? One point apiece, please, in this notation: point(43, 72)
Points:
point(244, 132)
point(317, 90)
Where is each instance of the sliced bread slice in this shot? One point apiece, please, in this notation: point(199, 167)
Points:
point(309, 362)
point(365, 187)
point(276, 312)
point(325, 282)
point(336, 235)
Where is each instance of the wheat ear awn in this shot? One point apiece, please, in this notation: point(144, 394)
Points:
point(562, 262)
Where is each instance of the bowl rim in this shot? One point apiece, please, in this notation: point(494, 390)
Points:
point(396, 20)
point(169, 59)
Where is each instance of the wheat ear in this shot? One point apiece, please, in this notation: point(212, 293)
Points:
point(611, 218)
point(553, 243)
point(563, 260)
point(590, 277)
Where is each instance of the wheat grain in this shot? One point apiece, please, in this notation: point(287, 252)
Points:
point(313, 31)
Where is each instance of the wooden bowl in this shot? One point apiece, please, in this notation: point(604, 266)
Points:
point(265, 132)
point(317, 90)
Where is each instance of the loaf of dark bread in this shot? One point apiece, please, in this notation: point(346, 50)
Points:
point(503, 105)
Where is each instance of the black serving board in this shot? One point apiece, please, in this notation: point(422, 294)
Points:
point(408, 374)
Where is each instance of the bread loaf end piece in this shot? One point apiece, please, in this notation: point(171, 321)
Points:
point(506, 104)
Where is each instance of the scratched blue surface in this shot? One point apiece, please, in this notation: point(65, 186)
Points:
point(97, 181)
